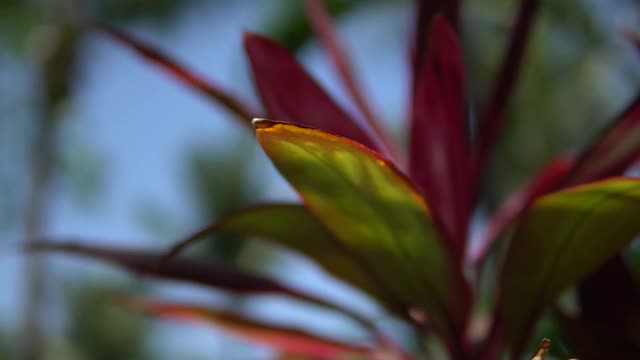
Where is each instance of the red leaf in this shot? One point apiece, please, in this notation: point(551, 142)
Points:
point(237, 106)
point(291, 95)
point(288, 340)
point(439, 145)
point(426, 10)
point(196, 270)
point(613, 152)
point(326, 32)
point(545, 181)
point(491, 118)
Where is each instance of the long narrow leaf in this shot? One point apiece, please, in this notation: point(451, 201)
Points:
point(518, 202)
point(195, 270)
point(293, 227)
point(613, 151)
point(284, 339)
point(290, 94)
point(239, 107)
point(439, 157)
point(491, 119)
point(375, 212)
point(325, 30)
point(562, 238)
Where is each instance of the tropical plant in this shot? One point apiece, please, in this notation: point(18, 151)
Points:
point(394, 224)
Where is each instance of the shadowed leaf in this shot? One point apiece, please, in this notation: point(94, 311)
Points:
point(293, 227)
point(290, 94)
point(613, 151)
point(439, 157)
point(289, 340)
point(375, 212)
point(491, 119)
point(237, 106)
point(197, 270)
point(562, 238)
point(518, 202)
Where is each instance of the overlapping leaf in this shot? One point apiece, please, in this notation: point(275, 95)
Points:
point(546, 180)
point(563, 237)
point(439, 158)
point(196, 270)
point(374, 211)
point(290, 94)
point(289, 340)
point(293, 227)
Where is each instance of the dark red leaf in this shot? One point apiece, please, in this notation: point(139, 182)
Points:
point(285, 339)
point(196, 270)
point(237, 106)
point(613, 151)
point(291, 95)
point(326, 32)
point(545, 181)
point(608, 324)
point(426, 10)
point(439, 161)
point(491, 118)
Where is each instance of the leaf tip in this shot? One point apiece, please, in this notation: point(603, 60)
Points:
point(261, 123)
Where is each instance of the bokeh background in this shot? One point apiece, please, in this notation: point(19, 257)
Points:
point(99, 145)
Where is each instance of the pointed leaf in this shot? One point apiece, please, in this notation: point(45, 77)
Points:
point(322, 25)
point(375, 212)
point(197, 270)
point(237, 106)
point(613, 152)
point(293, 227)
point(290, 94)
point(562, 238)
point(491, 119)
point(439, 144)
point(511, 209)
point(284, 339)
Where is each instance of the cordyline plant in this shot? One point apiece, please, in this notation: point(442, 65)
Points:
point(395, 224)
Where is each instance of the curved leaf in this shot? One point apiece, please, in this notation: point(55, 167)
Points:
point(239, 107)
point(290, 94)
point(293, 227)
point(197, 270)
point(562, 238)
point(375, 212)
point(439, 151)
point(284, 339)
point(613, 151)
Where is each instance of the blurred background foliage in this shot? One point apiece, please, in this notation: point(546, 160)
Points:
point(579, 73)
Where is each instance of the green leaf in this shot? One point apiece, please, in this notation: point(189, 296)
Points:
point(293, 227)
point(375, 213)
point(289, 340)
point(562, 238)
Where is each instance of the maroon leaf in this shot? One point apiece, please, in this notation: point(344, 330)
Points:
point(289, 340)
point(426, 10)
point(491, 118)
point(613, 151)
point(518, 202)
point(237, 106)
point(196, 270)
point(608, 324)
point(291, 95)
point(325, 30)
point(439, 161)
